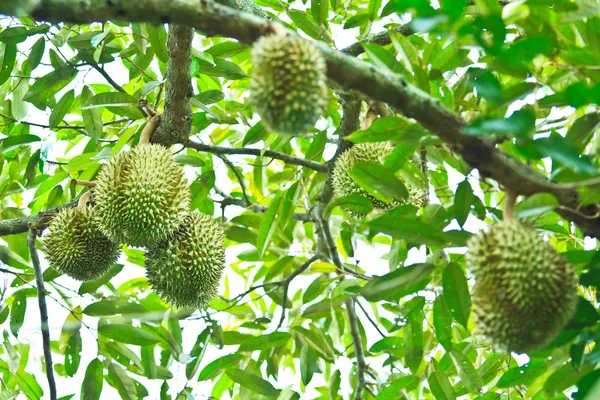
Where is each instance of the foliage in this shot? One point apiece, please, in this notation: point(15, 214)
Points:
point(393, 317)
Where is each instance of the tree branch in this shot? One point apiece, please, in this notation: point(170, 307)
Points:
point(358, 348)
point(108, 78)
point(218, 150)
point(176, 122)
point(286, 285)
point(41, 293)
point(381, 38)
point(21, 225)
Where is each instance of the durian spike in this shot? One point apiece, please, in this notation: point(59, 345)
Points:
point(509, 204)
point(88, 184)
point(84, 199)
point(149, 129)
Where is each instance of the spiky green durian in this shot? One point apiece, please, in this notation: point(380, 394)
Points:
point(288, 88)
point(75, 245)
point(524, 291)
point(185, 269)
point(141, 195)
point(344, 185)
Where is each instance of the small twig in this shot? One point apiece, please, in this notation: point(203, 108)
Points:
point(107, 77)
point(358, 348)
point(41, 292)
point(375, 325)
point(218, 150)
point(286, 285)
point(238, 176)
point(88, 184)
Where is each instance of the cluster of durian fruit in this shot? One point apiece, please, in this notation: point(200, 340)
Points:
point(525, 292)
point(141, 198)
point(289, 92)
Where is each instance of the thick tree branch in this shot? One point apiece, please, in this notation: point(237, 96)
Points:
point(381, 38)
point(349, 73)
point(41, 294)
point(21, 225)
point(176, 122)
point(218, 150)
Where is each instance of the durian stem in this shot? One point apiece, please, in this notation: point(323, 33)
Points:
point(88, 184)
point(149, 129)
point(41, 294)
point(146, 109)
point(509, 204)
point(84, 199)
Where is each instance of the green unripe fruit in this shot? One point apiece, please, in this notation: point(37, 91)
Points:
point(75, 245)
point(524, 291)
point(141, 195)
point(186, 268)
point(288, 85)
point(344, 185)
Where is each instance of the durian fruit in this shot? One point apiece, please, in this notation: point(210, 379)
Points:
point(524, 291)
point(141, 195)
point(185, 268)
point(75, 245)
point(344, 185)
point(288, 83)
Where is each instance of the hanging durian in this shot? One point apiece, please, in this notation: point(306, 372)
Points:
point(524, 291)
point(141, 195)
point(76, 246)
point(185, 268)
point(344, 185)
point(288, 83)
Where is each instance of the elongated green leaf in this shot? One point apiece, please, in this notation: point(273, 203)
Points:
point(28, 383)
point(378, 181)
point(456, 293)
point(13, 142)
point(62, 108)
point(17, 312)
point(8, 55)
point(266, 341)
point(157, 36)
point(468, 375)
point(128, 334)
point(73, 353)
point(440, 386)
point(267, 226)
point(442, 322)
point(535, 205)
point(524, 374)
point(91, 387)
point(353, 202)
point(122, 382)
point(253, 382)
point(409, 229)
point(399, 283)
point(413, 342)
point(92, 119)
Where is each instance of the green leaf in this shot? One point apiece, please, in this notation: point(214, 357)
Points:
point(463, 200)
point(37, 51)
point(267, 226)
point(536, 204)
point(409, 229)
point(8, 55)
point(456, 293)
point(17, 312)
point(560, 151)
point(112, 307)
point(398, 283)
point(62, 108)
point(252, 382)
point(524, 374)
point(413, 341)
point(91, 286)
point(263, 342)
point(308, 364)
point(210, 96)
point(73, 354)
point(91, 388)
point(92, 118)
point(378, 181)
point(28, 383)
point(353, 202)
point(305, 23)
point(442, 322)
point(122, 382)
point(13, 142)
point(582, 131)
point(157, 36)
point(128, 334)
point(211, 370)
point(109, 99)
point(468, 375)
point(440, 386)
point(396, 389)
